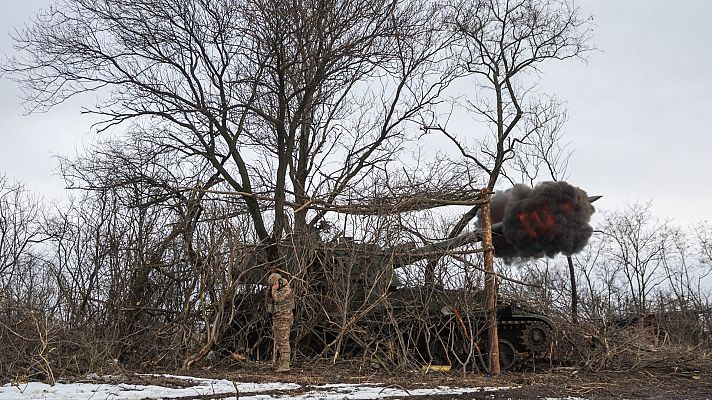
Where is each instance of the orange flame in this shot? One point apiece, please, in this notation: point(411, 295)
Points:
point(538, 222)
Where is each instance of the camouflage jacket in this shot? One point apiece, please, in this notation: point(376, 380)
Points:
point(282, 299)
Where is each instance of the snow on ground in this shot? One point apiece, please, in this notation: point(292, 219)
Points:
point(201, 386)
point(563, 398)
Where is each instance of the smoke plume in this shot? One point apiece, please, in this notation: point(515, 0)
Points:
point(551, 218)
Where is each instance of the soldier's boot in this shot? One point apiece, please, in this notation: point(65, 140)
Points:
point(283, 363)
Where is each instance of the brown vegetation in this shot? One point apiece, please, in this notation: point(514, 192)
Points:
point(248, 138)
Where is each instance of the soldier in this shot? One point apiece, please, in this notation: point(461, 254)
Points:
point(282, 305)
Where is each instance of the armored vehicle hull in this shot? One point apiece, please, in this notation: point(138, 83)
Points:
point(404, 326)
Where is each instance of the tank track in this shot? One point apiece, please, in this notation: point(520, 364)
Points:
point(529, 335)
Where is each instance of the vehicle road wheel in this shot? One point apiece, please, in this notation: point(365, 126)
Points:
point(507, 355)
point(537, 337)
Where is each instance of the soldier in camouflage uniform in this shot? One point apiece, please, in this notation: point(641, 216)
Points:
point(282, 299)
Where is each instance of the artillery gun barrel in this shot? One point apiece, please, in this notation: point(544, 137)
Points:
point(439, 248)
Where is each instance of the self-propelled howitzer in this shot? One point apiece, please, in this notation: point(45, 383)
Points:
point(452, 321)
point(435, 324)
point(352, 298)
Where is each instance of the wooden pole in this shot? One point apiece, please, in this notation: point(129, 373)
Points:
point(490, 285)
point(574, 292)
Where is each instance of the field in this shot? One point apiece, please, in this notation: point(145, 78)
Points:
point(344, 382)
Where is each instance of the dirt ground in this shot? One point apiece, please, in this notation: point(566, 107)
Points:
point(559, 383)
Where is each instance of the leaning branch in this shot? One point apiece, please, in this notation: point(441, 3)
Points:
point(378, 207)
point(497, 274)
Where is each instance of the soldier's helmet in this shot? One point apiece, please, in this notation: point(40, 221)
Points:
point(274, 277)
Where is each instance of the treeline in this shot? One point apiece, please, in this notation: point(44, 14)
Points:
point(240, 137)
point(105, 283)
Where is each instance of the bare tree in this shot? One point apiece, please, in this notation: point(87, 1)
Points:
point(275, 100)
point(542, 150)
point(637, 247)
point(596, 280)
point(502, 44)
point(296, 111)
point(703, 232)
point(19, 228)
point(27, 293)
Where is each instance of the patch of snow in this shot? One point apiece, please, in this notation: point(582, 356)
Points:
point(248, 387)
point(354, 391)
point(248, 391)
point(564, 398)
point(123, 391)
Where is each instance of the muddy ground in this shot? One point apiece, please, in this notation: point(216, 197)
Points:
point(558, 383)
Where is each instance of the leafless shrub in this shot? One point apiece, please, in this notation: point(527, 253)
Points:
point(265, 138)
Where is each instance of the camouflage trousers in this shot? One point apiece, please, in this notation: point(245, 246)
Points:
point(281, 327)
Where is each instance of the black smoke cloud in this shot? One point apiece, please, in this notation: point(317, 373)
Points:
point(551, 218)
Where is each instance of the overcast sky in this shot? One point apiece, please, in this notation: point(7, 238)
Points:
point(637, 110)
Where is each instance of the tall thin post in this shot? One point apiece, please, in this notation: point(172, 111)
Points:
point(574, 292)
point(490, 284)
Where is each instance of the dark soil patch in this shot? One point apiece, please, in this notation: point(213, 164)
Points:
point(556, 383)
